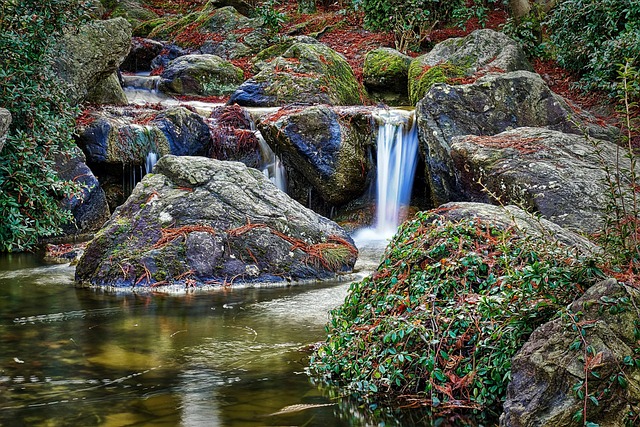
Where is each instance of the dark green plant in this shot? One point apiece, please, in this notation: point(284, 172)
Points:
point(439, 321)
point(591, 37)
point(528, 31)
point(272, 18)
point(43, 121)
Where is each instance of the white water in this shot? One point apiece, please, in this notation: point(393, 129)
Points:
point(397, 155)
point(150, 161)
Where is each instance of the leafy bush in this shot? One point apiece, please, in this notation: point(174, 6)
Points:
point(439, 321)
point(43, 121)
point(528, 32)
point(592, 37)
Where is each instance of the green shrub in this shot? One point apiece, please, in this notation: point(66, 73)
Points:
point(439, 321)
point(591, 37)
point(43, 121)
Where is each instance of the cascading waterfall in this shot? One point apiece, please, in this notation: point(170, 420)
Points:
point(272, 166)
point(397, 157)
point(150, 161)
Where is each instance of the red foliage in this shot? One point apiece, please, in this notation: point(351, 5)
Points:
point(157, 71)
point(245, 65)
point(85, 118)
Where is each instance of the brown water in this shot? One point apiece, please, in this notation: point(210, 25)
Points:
point(83, 357)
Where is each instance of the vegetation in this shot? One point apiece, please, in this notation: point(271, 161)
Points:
point(439, 321)
point(43, 121)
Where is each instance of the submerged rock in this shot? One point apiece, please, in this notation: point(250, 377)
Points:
point(305, 73)
point(201, 75)
point(198, 221)
point(550, 367)
point(327, 146)
point(493, 104)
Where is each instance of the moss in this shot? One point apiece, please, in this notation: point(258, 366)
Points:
point(384, 67)
point(423, 77)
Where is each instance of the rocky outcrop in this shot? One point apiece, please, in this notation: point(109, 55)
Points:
point(5, 122)
point(480, 52)
point(201, 75)
point(548, 373)
point(560, 176)
point(493, 104)
point(108, 91)
point(198, 221)
point(132, 10)
point(89, 208)
point(305, 73)
point(328, 146)
point(385, 74)
point(91, 55)
point(141, 54)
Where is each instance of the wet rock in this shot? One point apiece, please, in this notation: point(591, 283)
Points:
point(5, 122)
point(491, 105)
point(327, 146)
point(90, 209)
point(480, 52)
point(168, 54)
point(386, 75)
point(142, 53)
point(304, 73)
point(108, 91)
point(202, 75)
point(198, 221)
point(64, 253)
point(91, 55)
point(548, 367)
point(560, 176)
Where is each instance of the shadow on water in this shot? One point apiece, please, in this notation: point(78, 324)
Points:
point(235, 357)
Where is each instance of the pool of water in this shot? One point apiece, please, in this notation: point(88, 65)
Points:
point(235, 357)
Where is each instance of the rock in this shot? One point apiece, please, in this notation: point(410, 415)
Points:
point(131, 10)
point(560, 176)
point(491, 105)
point(547, 368)
point(187, 132)
point(168, 54)
point(304, 73)
point(91, 55)
point(328, 146)
point(141, 55)
point(108, 91)
point(526, 224)
point(90, 209)
point(202, 75)
point(266, 56)
point(478, 53)
point(385, 75)
point(198, 221)
point(241, 6)
point(5, 122)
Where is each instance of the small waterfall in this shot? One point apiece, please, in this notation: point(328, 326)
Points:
point(150, 161)
point(272, 166)
point(397, 149)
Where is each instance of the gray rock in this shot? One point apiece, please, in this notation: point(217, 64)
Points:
point(327, 146)
point(108, 91)
point(203, 75)
point(560, 176)
point(545, 370)
point(493, 104)
point(479, 52)
point(134, 11)
point(91, 55)
point(385, 74)
point(198, 221)
point(141, 54)
point(90, 209)
point(304, 73)
point(5, 122)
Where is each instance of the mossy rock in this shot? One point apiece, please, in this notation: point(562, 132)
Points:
point(422, 77)
point(201, 75)
point(386, 69)
point(304, 73)
point(132, 10)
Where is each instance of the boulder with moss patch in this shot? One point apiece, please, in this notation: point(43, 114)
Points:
point(134, 11)
point(480, 52)
point(201, 75)
point(385, 75)
point(491, 105)
point(304, 73)
point(198, 221)
point(108, 91)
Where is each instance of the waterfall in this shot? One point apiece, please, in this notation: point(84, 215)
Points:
point(272, 166)
point(150, 161)
point(397, 157)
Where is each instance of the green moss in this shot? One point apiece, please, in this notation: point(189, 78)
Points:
point(422, 77)
point(385, 65)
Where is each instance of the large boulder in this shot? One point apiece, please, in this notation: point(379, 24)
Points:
point(478, 53)
point(5, 122)
point(198, 221)
point(109, 91)
point(560, 176)
point(202, 75)
point(91, 55)
point(590, 352)
point(385, 74)
point(305, 73)
point(327, 146)
point(491, 105)
point(89, 208)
